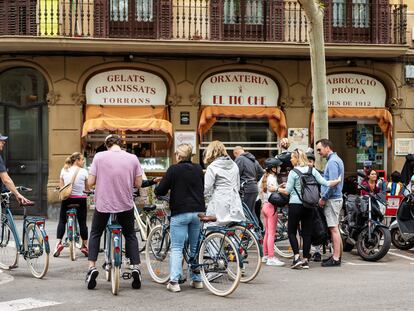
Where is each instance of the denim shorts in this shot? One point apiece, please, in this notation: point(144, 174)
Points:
point(331, 210)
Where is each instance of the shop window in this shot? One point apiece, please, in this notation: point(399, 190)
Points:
point(254, 135)
point(151, 148)
point(370, 146)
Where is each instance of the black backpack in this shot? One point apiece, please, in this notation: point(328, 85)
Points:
point(320, 234)
point(309, 188)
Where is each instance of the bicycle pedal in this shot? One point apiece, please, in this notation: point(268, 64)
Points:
point(126, 275)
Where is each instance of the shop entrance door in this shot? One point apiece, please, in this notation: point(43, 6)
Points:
point(343, 135)
point(23, 118)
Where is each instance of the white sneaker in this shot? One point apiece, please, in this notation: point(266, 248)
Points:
point(274, 262)
point(196, 284)
point(173, 287)
point(265, 258)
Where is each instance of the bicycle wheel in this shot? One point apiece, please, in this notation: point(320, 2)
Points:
point(72, 241)
point(219, 264)
point(8, 249)
point(35, 248)
point(115, 271)
point(157, 254)
point(249, 251)
point(282, 245)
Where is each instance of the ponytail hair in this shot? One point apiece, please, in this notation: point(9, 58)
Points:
point(72, 159)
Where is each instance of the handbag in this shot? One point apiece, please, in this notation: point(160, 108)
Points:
point(66, 190)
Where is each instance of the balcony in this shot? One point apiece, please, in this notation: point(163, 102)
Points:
point(364, 22)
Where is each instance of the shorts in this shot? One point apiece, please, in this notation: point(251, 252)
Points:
point(331, 211)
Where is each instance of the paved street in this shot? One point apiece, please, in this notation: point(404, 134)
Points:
point(357, 285)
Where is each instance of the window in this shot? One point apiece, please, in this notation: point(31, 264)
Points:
point(253, 12)
point(119, 10)
point(254, 135)
point(358, 9)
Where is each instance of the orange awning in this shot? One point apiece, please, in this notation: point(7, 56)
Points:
point(277, 119)
point(382, 115)
point(126, 118)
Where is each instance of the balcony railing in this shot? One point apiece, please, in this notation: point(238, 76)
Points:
point(346, 21)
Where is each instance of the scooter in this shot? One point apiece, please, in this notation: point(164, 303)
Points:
point(402, 229)
point(362, 226)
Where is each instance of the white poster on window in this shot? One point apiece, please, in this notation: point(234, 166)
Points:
point(298, 138)
point(239, 89)
point(127, 88)
point(404, 146)
point(185, 137)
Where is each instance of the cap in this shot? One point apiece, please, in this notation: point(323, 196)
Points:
point(2, 138)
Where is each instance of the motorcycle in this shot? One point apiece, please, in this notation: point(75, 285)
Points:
point(362, 226)
point(402, 229)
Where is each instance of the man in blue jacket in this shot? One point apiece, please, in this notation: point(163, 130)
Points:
point(331, 198)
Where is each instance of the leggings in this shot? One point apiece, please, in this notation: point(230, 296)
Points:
point(81, 212)
point(299, 214)
point(126, 220)
point(270, 222)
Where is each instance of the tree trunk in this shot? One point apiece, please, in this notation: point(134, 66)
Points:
point(314, 13)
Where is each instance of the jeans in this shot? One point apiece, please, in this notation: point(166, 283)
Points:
point(183, 226)
point(81, 212)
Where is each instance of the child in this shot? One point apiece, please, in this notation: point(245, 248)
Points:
point(267, 185)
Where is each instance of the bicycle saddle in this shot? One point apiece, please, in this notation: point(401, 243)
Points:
point(205, 218)
point(149, 208)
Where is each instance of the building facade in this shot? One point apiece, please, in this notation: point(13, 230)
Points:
point(164, 72)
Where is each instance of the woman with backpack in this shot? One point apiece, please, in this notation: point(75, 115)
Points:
point(267, 185)
point(298, 213)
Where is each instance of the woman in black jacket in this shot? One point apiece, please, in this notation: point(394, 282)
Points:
point(185, 181)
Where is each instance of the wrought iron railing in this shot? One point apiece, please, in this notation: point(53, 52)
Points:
point(346, 21)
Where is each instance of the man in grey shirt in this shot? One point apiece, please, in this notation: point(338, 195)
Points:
point(250, 173)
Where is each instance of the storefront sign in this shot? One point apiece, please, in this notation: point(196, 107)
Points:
point(126, 87)
point(348, 90)
point(298, 138)
point(239, 89)
point(404, 146)
point(186, 137)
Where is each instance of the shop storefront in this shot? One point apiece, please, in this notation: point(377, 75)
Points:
point(131, 103)
point(359, 124)
point(241, 108)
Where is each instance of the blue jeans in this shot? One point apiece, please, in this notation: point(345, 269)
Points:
point(183, 226)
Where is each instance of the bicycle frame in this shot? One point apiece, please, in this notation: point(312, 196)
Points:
point(113, 232)
point(143, 227)
point(72, 224)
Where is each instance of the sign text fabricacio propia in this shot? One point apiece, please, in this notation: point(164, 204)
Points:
point(126, 87)
point(349, 90)
point(239, 89)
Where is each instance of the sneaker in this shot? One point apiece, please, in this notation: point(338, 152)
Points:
point(296, 264)
point(305, 264)
point(265, 258)
point(136, 276)
point(316, 257)
point(331, 263)
point(85, 251)
point(275, 262)
point(196, 284)
point(58, 249)
point(173, 287)
point(91, 278)
point(327, 259)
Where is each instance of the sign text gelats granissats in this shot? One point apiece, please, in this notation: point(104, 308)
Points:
point(350, 90)
point(239, 89)
point(126, 87)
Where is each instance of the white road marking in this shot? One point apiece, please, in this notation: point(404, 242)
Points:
point(366, 264)
point(5, 278)
point(25, 304)
point(402, 256)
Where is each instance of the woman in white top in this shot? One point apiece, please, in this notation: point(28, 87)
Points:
point(222, 185)
point(267, 185)
point(74, 165)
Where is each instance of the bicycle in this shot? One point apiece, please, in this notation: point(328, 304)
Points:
point(282, 244)
point(113, 253)
point(34, 245)
point(72, 239)
point(217, 257)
